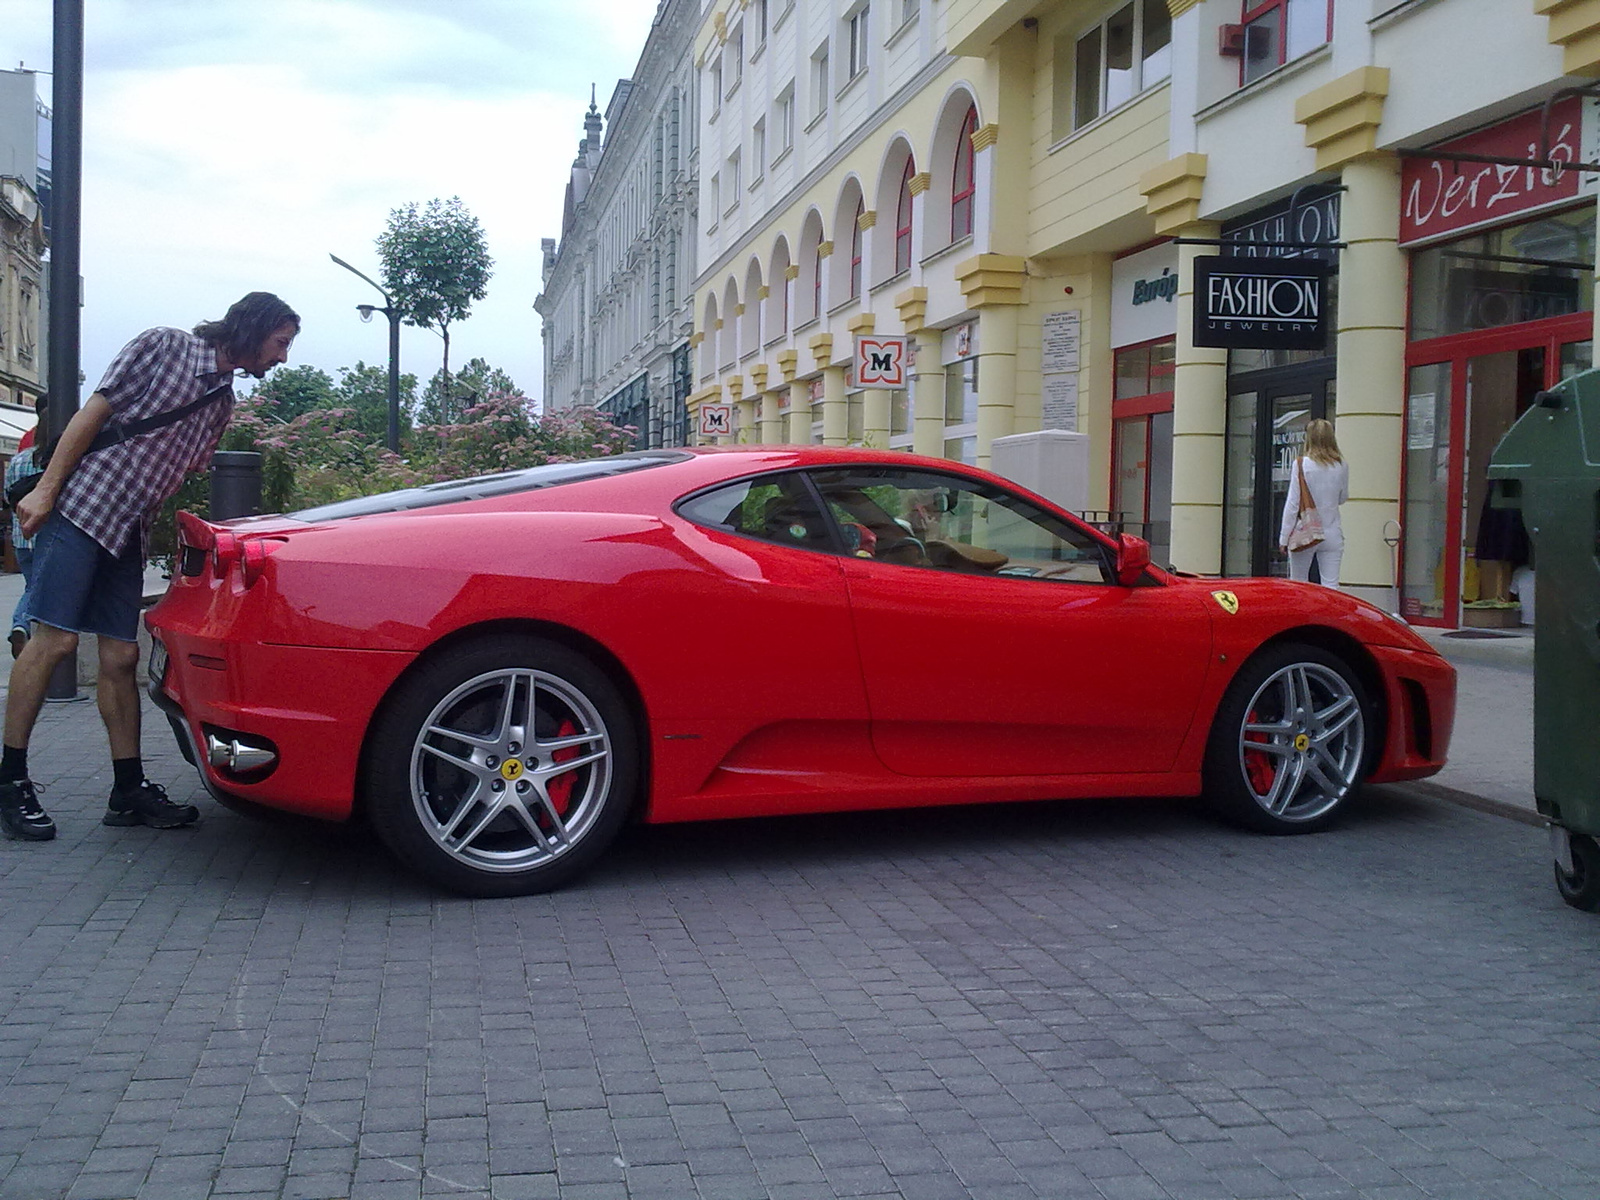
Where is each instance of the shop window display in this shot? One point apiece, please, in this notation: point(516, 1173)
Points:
point(1527, 272)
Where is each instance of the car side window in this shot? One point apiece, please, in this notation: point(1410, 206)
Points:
point(949, 523)
point(773, 508)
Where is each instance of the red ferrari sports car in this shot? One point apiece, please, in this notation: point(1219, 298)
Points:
point(499, 672)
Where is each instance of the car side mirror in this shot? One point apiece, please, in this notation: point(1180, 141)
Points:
point(1133, 557)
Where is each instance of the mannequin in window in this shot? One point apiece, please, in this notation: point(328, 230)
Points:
point(1501, 548)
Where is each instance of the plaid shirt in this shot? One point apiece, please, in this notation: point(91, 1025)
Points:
point(115, 493)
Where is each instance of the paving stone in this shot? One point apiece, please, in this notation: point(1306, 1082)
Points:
point(1098, 1000)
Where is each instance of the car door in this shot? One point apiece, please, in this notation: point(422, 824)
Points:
point(772, 613)
point(994, 639)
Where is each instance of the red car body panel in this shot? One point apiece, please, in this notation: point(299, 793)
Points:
point(769, 679)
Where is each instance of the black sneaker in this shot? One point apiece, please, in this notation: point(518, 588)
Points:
point(147, 804)
point(20, 814)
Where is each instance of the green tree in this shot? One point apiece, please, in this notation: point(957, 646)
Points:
point(364, 391)
point(472, 385)
point(290, 391)
point(434, 264)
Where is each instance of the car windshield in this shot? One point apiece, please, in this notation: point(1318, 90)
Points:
point(503, 484)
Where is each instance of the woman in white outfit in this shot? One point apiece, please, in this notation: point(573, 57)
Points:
point(1325, 476)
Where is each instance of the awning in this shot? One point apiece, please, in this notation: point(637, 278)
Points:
point(15, 420)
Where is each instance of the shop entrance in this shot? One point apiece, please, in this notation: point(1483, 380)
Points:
point(1268, 412)
point(1463, 393)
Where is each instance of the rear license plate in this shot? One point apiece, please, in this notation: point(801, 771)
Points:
point(158, 662)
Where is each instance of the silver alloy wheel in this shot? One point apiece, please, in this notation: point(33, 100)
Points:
point(1301, 746)
point(510, 770)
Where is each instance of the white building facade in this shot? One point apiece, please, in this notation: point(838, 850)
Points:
point(617, 304)
point(24, 187)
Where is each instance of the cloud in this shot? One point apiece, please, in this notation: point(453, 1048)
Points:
point(230, 146)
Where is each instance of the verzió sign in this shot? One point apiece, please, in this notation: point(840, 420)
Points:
point(1442, 196)
point(1261, 303)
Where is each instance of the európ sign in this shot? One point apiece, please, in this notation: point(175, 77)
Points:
point(1260, 303)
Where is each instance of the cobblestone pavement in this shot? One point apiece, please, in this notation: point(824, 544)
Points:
point(1121, 1000)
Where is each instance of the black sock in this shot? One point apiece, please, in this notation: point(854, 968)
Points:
point(129, 773)
point(13, 764)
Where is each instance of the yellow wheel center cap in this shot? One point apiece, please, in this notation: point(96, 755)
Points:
point(511, 768)
point(1302, 742)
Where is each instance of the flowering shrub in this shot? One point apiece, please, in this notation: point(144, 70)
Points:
point(318, 457)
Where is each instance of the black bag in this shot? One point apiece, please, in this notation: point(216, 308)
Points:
point(28, 482)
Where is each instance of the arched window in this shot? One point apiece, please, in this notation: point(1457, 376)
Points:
point(816, 281)
point(856, 236)
point(902, 221)
point(964, 184)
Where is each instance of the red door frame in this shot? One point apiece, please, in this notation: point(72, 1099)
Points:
point(1551, 333)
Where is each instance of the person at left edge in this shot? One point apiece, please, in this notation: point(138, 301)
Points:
point(90, 518)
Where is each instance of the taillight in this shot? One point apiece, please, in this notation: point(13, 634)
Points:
point(225, 551)
point(253, 558)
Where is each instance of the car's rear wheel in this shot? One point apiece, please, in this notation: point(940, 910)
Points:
point(1289, 744)
point(502, 768)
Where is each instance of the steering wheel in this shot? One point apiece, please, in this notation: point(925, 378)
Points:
point(884, 552)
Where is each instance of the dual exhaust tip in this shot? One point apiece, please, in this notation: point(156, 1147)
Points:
point(239, 755)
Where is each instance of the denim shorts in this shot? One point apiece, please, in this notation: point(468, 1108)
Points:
point(80, 586)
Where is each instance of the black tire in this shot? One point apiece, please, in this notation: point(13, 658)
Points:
point(1581, 888)
point(459, 792)
point(1290, 741)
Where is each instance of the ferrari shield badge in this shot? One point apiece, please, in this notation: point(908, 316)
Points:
point(1229, 602)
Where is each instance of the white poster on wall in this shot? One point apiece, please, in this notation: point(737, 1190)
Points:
point(1060, 356)
point(1059, 344)
point(1059, 409)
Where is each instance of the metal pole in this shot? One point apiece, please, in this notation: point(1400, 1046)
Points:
point(389, 310)
point(66, 265)
point(394, 379)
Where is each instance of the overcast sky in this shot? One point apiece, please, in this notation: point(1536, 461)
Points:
point(231, 145)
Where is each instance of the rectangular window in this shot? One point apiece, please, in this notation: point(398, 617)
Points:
point(735, 58)
point(908, 11)
point(761, 22)
point(785, 129)
point(733, 181)
point(856, 37)
point(758, 151)
point(1279, 31)
point(716, 87)
point(819, 81)
point(1128, 52)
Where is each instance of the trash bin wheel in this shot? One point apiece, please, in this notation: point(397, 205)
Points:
point(1581, 888)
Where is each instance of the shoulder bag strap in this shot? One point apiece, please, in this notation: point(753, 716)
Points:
point(1301, 464)
point(116, 433)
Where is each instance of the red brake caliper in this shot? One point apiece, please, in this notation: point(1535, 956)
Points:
point(560, 787)
point(1258, 767)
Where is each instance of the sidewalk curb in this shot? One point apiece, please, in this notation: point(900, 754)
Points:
point(1496, 808)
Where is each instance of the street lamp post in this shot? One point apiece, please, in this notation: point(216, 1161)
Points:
point(388, 309)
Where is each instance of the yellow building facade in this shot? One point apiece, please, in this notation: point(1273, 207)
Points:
point(1022, 189)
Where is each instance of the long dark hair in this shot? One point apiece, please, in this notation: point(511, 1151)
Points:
point(248, 325)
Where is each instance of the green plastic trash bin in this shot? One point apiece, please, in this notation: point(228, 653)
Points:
point(1548, 465)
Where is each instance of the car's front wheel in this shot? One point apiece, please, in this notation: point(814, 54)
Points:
point(1289, 744)
point(502, 768)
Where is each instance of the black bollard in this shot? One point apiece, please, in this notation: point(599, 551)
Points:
point(63, 683)
point(235, 484)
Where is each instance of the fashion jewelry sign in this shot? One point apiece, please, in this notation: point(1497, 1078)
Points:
point(1260, 303)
